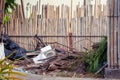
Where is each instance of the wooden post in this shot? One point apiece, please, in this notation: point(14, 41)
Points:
point(70, 31)
point(113, 70)
point(1, 11)
point(1, 15)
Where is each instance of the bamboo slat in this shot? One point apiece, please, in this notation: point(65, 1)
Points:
point(116, 43)
point(119, 41)
point(1, 10)
point(118, 7)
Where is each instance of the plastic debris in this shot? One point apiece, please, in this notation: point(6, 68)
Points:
point(2, 54)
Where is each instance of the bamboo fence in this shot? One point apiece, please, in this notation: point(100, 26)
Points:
point(53, 26)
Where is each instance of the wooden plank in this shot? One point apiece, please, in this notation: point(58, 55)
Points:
point(105, 10)
point(57, 12)
point(39, 29)
point(109, 42)
point(116, 42)
point(112, 42)
point(16, 29)
point(48, 31)
point(12, 27)
point(73, 29)
point(115, 7)
point(81, 29)
point(30, 41)
point(50, 28)
point(78, 33)
point(60, 30)
point(105, 23)
point(82, 11)
point(62, 11)
point(99, 10)
point(95, 10)
point(87, 32)
point(118, 7)
point(119, 41)
point(66, 33)
point(90, 10)
point(78, 11)
point(20, 32)
point(91, 26)
point(25, 30)
point(96, 28)
point(58, 26)
point(45, 24)
point(67, 12)
point(55, 29)
point(83, 32)
point(43, 11)
point(1, 4)
point(112, 4)
point(1, 13)
point(38, 25)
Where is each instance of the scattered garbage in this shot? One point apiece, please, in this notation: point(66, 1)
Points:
point(20, 70)
point(2, 54)
point(46, 52)
point(47, 48)
point(39, 57)
point(48, 59)
point(10, 46)
point(52, 59)
point(60, 50)
point(40, 43)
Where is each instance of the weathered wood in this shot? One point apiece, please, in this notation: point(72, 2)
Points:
point(118, 7)
point(115, 7)
point(78, 11)
point(1, 14)
point(44, 11)
point(116, 43)
point(112, 42)
point(57, 23)
point(109, 48)
point(119, 41)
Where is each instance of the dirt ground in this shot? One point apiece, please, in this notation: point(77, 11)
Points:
point(46, 77)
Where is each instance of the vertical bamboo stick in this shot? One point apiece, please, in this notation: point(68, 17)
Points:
point(2, 5)
point(119, 40)
point(118, 34)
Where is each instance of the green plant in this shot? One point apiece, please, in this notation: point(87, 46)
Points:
point(6, 72)
point(95, 59)
point(9, 6)
point(6, 19)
